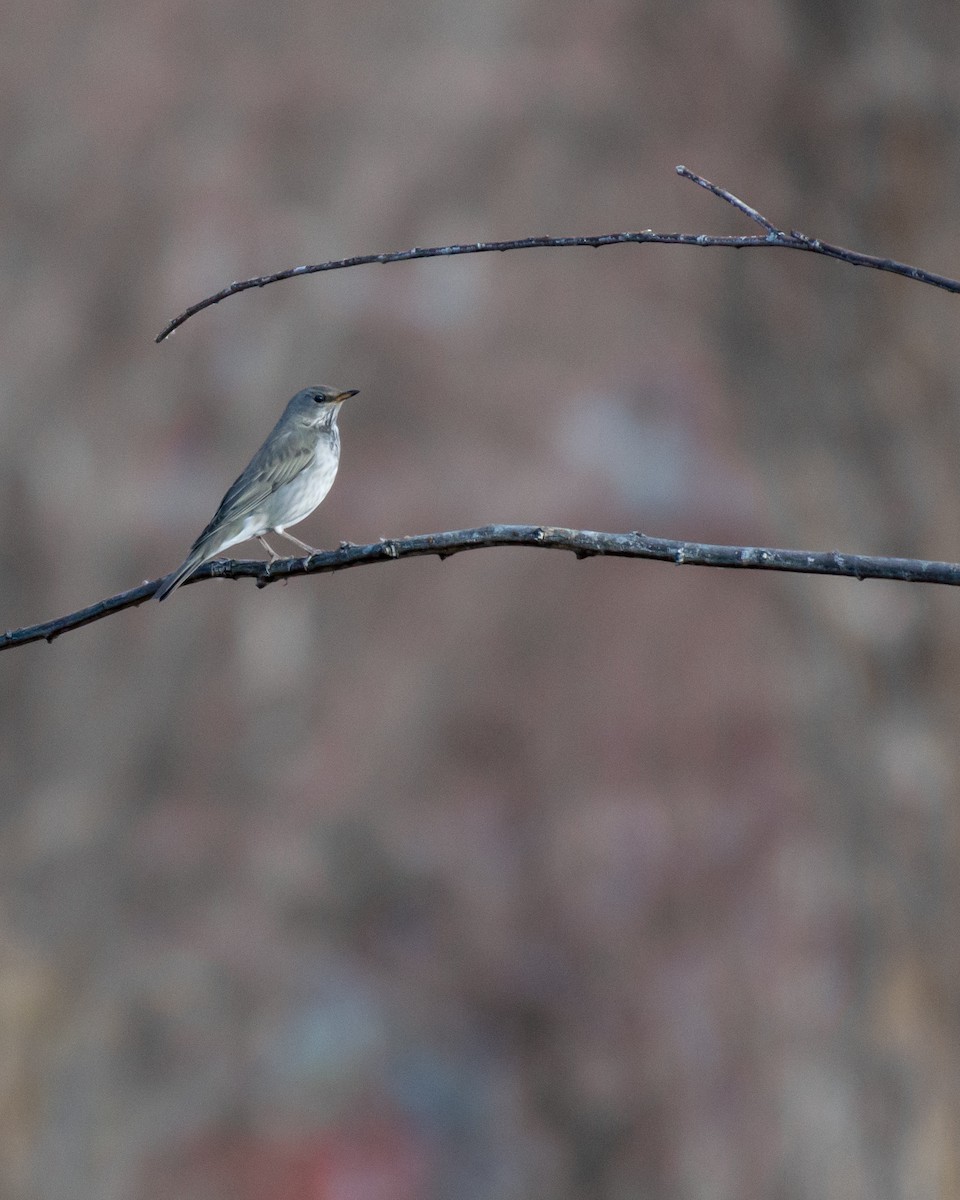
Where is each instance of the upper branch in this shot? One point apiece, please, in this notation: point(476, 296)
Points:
point(773, 237)
point(583, 543)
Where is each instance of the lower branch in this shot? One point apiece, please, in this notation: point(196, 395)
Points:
point(583, 543)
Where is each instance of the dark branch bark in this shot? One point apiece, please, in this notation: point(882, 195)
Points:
point(583, 543)
point(772, 238)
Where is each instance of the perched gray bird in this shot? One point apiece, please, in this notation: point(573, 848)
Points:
point(287, 478)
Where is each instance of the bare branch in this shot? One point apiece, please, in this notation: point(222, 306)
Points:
point(730, 198)
point(583, 543)
point(774, 237)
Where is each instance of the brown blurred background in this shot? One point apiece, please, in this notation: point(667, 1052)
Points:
point(508, 877)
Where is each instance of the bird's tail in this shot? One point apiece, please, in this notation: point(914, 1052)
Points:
point(188, 566)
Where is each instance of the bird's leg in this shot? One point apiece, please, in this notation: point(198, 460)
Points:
point(296, 541)
point(274, 556)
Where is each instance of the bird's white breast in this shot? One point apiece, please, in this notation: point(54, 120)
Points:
point(297, 499)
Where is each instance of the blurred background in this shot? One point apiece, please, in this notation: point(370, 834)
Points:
point(510, 876)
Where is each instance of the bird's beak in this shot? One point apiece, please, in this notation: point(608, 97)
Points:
point(341, 396)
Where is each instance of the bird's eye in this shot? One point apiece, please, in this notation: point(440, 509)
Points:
point(318, 398)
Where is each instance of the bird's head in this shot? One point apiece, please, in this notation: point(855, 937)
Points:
point(317, 407)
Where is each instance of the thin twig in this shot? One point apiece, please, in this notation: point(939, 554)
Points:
point(730, 198)
point(583, 543)
point(774, 237)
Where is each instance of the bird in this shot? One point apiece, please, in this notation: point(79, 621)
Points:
point(284, 482)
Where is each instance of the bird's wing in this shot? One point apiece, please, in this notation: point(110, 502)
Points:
point(269, 469)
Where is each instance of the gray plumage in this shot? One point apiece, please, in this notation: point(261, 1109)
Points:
point(287, 478)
